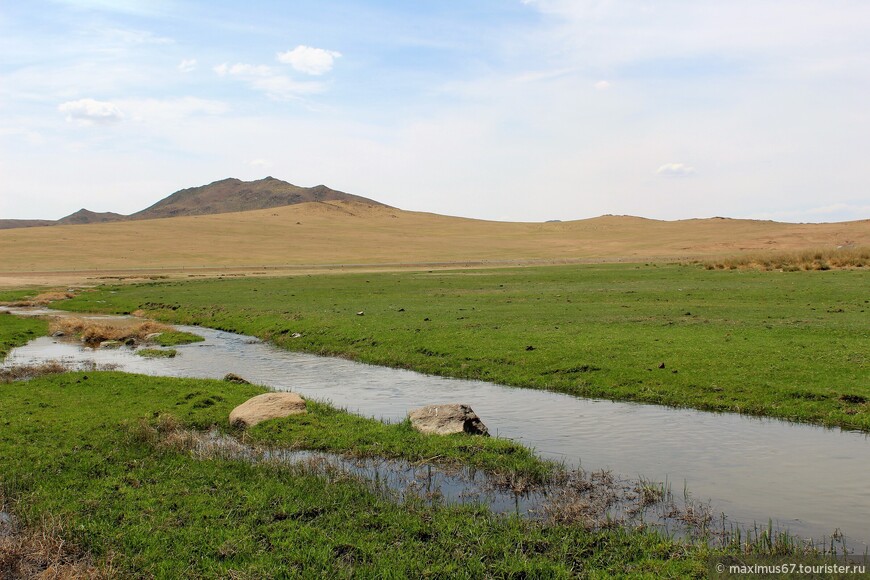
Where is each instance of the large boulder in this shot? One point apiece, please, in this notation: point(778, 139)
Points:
point(267, 406)
point(447, 419)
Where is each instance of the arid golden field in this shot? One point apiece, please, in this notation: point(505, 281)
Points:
point(343, 234)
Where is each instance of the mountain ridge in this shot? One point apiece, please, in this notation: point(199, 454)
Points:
point(222, 196)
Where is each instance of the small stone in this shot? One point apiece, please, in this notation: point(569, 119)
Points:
point(360, 313)
point(110, 344)
point(234, 378)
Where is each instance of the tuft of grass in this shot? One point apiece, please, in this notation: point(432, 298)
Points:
point(806, 260)
point(157, 352)
point(176, 337)
point(25, 372)
point(93, 332)
point(41, 299)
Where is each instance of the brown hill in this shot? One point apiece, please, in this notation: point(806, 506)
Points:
point(234, 195)
point(10, 224)
point(85, 216)
point(224, 196)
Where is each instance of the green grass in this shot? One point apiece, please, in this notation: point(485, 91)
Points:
point(16, 331)
point(792, 345)
point(71, 454)
point(175, 338)
point(325, 428)
point(157, 352)
point(16, 295)
point(76, 463)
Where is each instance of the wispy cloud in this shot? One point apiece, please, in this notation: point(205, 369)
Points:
point(264, 79)
point(91, 112)
point(310, 60)
point(187, 65)
point(675, 170)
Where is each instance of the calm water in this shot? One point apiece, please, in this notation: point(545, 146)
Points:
point(809, 480)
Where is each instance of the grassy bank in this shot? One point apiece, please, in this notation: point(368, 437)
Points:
point(15, 331)
point(73, 456)
point(783, 344)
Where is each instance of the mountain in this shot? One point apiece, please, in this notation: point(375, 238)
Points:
point(84, 216)
point(232, 195)
point(224, 196)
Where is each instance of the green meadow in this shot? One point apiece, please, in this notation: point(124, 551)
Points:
point(97, 492)
point(87, 468)
point(792, 345)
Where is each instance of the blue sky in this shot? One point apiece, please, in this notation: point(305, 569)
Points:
point(511, 110)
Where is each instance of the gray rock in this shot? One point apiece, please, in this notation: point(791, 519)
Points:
point(447, 419)
point(7, 524)
point(110, 344)
point(267, 406)
point(234, 378)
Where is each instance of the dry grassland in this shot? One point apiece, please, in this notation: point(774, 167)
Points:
point(349, 233)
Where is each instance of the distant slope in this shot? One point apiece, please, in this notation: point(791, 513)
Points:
point(233, 195)
point(84, 216)
point(224, 196)
point(347, 232)
point(10, 224)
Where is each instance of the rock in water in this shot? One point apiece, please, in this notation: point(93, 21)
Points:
point(447, 419)
point(267, 406)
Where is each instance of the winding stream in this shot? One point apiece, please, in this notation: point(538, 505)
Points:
point(809, 480)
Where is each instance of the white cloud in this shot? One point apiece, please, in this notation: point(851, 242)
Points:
point(91, 112)
point(675, 170)
point(264, 163)
point(263, 78)
point(310, 60)
point(187, 65)
point(602, 85)
point(243, 70)
point(170, 110)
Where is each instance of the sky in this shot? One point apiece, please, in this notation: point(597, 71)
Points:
point(515, 110)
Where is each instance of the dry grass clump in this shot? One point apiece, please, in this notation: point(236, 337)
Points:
point(52, 367)
point(42, 551)
point(839, 258)
point(25, 372)
point(43, 299)
point(93, 332)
